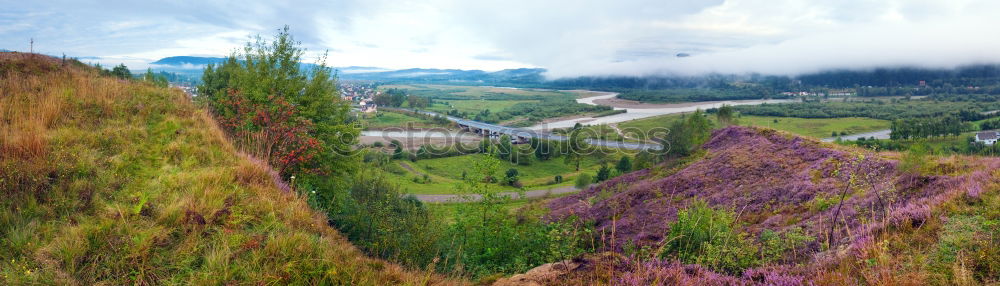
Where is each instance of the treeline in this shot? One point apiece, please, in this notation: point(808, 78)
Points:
point(967, 111)
point(928, 127)
point(940, 92)
point(990, 124)
point(965, 147)
point(974, 75)
point(700, 94)
point(536, 111)
point(121, 71)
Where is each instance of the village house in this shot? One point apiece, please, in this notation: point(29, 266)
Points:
point(987, 137)
point(368, 106)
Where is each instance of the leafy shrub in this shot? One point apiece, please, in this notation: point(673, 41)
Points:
point(711, 237)
point(708, 237)
point(603, 174)
point(582, 181)
point(511, 177)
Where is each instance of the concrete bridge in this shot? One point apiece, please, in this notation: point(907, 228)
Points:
point(520, 136)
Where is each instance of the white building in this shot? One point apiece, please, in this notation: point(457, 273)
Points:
point(987, 137)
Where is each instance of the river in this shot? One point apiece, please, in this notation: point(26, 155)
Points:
point(644, 111)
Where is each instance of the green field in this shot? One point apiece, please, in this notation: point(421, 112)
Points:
point(445, 174)
point(817, 127)
point(813, 127)
point(473, 99)
point(476, 105)
point(384, 119)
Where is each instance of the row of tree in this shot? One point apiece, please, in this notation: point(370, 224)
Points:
point(927, 127)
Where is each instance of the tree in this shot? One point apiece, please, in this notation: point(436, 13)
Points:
point(643, 160)
point(576, 148)
point(726, 115)
point(290, 115)
point(417, 101)
point(391, 97)
point(398, 153)
point(687, 134)
point(121, 72)
point(485, 146)
point(155, 79)
point(624, 165)
point(511, 177)
point(543, 149)
point(604, 173)
point(504, 148)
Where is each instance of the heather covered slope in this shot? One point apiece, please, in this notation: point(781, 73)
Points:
point(115, 182)
point(777, 182)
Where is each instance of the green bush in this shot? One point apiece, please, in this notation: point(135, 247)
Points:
point(711, 237)
point(583, 181)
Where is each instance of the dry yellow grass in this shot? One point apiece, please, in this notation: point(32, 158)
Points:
point(116, 182)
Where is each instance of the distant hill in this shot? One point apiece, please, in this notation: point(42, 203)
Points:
point(181, 60)
point(886, 81)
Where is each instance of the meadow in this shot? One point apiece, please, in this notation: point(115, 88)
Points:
point(817, 127)
point(813, 127)
point(475, 105)
point(385, 119)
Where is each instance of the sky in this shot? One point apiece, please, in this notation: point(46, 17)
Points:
point(567, 37)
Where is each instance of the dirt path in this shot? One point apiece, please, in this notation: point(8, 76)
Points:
point(514, 195)
point(407, 166)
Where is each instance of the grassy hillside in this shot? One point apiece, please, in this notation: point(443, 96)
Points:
point(115, 182)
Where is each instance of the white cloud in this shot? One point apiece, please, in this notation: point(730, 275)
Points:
point(569, 37)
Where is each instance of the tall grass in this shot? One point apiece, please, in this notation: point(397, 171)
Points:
point(106, 181)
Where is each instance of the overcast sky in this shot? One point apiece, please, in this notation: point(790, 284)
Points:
point(568, 37)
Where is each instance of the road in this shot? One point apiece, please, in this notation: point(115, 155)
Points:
point(880, 134)
point(533, 194)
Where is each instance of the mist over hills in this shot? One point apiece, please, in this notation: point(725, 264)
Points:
point(971, 75)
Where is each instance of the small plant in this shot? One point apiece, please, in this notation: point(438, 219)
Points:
point(583, 181)
point(511, 177)
point(709, 237)
point(558, 179)
point(604, 173)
